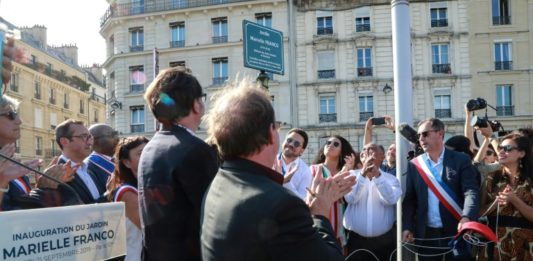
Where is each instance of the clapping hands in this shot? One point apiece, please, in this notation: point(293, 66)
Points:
point(326, 191)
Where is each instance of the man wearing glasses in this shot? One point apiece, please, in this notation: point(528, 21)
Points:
point(442, 193)
point(76, 143)
point(105, 139)
point(297, 175)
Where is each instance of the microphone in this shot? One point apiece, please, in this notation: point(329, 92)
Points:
point(408, 133)
point(44, 175)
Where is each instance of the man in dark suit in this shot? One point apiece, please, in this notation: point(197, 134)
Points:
point(100, 162)
point(424, 216)
point(247, 213)
point(175, 169)
point(76, 143)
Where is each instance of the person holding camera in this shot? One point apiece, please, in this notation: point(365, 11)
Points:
point(389, 166)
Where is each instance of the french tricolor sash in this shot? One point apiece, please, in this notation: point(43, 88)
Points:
point(122, 190)
point(445, 195)
point(22, 185)
point(103, 163)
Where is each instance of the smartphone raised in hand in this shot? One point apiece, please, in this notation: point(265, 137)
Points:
point(378, 121)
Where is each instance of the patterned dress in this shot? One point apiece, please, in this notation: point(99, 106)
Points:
point(514, 231)
point(336, 212)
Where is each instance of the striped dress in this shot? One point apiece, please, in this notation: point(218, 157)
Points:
point(336, 212)
point(133, 234)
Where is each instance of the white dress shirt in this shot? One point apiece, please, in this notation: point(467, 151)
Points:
point(433, 217)
point(301, 179)
point(371, 204)
point(82, 173)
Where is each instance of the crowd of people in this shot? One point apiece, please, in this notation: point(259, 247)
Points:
point(239, 195)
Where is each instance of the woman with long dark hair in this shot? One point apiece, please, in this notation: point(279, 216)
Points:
point(122, 187)
point(335, 156)
point(511, 191)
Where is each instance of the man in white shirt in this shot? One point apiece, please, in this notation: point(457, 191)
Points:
point(297, 175)
point(370, 215)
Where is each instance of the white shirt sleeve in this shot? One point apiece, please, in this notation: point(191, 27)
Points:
point(389, 188)
point(357, 190)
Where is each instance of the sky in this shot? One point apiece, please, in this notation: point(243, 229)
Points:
point(67, 22)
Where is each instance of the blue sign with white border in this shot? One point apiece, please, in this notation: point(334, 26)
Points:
point(263, 48)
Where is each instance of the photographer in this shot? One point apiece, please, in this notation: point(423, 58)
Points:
point(388, 122)
point(479, 160)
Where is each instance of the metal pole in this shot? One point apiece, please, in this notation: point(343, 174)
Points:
point(401, 54)
point(292, 65)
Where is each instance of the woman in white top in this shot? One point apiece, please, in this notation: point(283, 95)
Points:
point(122, 187)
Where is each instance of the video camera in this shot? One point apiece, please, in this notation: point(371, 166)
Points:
point(411, 135)
point(479, 104)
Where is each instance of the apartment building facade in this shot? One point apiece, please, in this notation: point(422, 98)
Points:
point(205, 36)
point(51, 88)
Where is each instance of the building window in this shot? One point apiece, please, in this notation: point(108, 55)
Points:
point(439, 17)
point(38, 118)
point(51, 96)
point(362, 19)
point(137, 119)
point(500, 12)
point(53, 120)
point(264, 19)
point(66, 101)
point(220, 70)
point(82, 106)
point(38, 145)
point(504, 103)
point(328, 110)
point(37, 91)
point(220, 29)
point(14, 83)
point(137, 39)
point(326, 65)
point(503, 56)
point(366, 107)
point(218, 1)
point(177, 34)
point(111, 46)
point(442, 106)
point(137, 78)
point(33, 59)
point(364, 62)
point(48, 69)
point(176, 64)
point(96, 119)
point(439, 58)
point(180, 3)
point(324, 23)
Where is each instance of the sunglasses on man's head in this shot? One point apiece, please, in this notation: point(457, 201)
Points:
point(507, 148)
point(294, 142)
point(335, 143)
point(12, 115)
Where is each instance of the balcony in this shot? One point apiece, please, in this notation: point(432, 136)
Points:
point(177, 44)
point(441, 68)
point(503, 65)
point(136, 87)
point(329, 117)
point(501, 20)
point(505, 110)
point(50, 153)
point(365, 115)
point(52, 100)
point(220, 39)
point(443, 113)
point(364, 71)
point(65, 105)
point(137, 128)
point(324, 30)
point(37, 95)
point(439, 23)
point(136, 48)
point(97, 98)
point(219, 80)
point(326, 74)
point(362, 28)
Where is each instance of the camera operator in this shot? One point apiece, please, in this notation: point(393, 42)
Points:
point(479, 160)
point(388, 122)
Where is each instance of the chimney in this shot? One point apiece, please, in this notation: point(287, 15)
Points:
point(36, 33)
point(70, 51)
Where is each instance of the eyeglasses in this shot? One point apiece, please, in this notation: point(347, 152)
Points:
point(426, 133)
point(294, 142)
point(336, 144)
point(507, 148)
point(84, 137)
point(11, 115)
point(490, 153)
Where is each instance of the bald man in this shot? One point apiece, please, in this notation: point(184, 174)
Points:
point(105, 139)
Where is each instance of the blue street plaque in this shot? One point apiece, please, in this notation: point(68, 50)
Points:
point(263, 48)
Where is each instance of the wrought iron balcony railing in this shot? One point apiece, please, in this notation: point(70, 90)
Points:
point(327, 117)
point(326, 74)
point(137, 128)
point(324, 30)
point(505, 110)
point(220, 39)
point(362, 28)
point(219, 80)
point(364, 71)
point(136, 87)
point(364, 116)
point(439, 23)
point(443, 113)
point(503, 65)
point(442, 68)
point(176, 44)
point(501, 20)
point(136, 48)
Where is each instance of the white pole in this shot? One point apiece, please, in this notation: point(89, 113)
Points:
point(403, 89)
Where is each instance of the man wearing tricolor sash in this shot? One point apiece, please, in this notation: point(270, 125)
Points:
point(105, 139)
point(441, 193)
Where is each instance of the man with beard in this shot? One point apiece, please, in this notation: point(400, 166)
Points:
point(297, 175)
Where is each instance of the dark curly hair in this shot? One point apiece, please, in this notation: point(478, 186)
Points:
point(346, 149)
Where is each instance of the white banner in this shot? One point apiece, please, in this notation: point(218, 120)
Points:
point(87, 232)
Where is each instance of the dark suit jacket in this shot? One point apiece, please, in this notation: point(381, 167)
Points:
point(247, 215)
point(100, 174)
point(460, 176)
point(175, 170)
point(83, 191)
point(9, 201)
